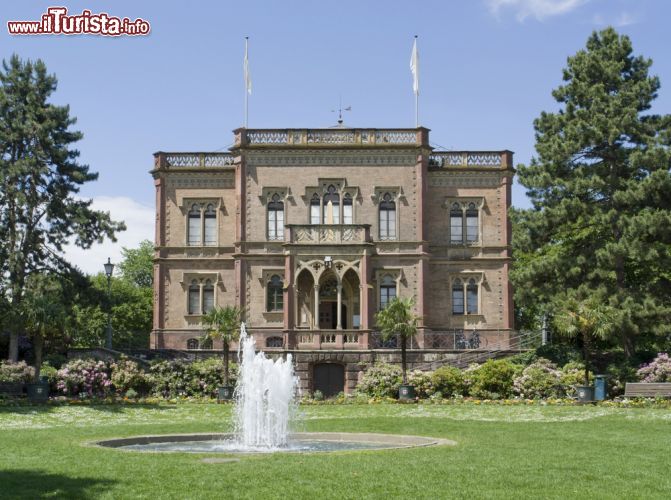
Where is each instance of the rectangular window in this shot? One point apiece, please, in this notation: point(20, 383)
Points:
point(391, 225)
point(347, 214)
point(472, 299)
point(314, 214)
point(194, 230)
point(272, 224)
point(387, 294)
point(457, 300)
point(471, 227)
point(210, 231)
point(456, 228)
point(279, 228)
point(208, 299)
point(194, 300)
point(384, 224)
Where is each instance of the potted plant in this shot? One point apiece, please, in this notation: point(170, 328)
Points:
point(44, 318)
point(585, 320)
point(397, 318)
point(223, 323)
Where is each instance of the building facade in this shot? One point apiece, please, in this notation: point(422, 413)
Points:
point(313, 231)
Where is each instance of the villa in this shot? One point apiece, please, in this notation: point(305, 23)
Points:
point(313, 231)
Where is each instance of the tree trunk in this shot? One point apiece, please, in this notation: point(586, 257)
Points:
point(585, 355)
point(225, 363)
point(404, 340)
point(38, 348)
point(13, 346)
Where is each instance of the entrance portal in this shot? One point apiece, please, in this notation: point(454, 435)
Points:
point(329, 379)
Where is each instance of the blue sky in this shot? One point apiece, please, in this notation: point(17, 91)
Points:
point(487, 70)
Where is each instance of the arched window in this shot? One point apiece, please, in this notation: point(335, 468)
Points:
point(387, 291)
point(387, 218)
point(471, 223)
point(194, 298)
point(315, 202)
point(194, 236)
point(472, 297)
point(347, 213)
point(192, 344)
point(208, 296)
point(274, 294)
point(457, 297)
point(210, 225)
point(456, 224)
point(274, 342)
point(276, 218)
point(331, 213)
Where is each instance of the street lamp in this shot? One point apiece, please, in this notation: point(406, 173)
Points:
point(109, 269)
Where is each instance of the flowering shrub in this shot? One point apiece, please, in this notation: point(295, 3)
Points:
point(423, 383)
point(658, 370)
point(85, 377)
point(181, 379)
point(381, 381)
point(16, 373)
point(128, 376)
point(573, 374)
point(449, 381)
point(541, 379)
point(492, 379)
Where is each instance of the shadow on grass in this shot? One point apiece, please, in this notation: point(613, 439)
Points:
point(25, 407)
point(22, 483)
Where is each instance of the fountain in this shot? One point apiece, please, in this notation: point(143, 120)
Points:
point(265, 396)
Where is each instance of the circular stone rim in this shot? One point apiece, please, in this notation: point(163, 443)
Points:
point(397, 441)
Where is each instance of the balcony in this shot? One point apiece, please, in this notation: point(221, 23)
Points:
point(470, 159)
point(332, 339)
point(331, 137)
point(328, 234)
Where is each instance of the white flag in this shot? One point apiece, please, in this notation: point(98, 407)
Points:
point(414, 68)
point(248, 77)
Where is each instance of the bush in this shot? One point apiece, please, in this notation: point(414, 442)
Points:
point(178, 378)
point(423, 383)
point(16, 373)
point(492, 379)
point(449, 381)
point(573, 374)
point(541, 379)
point(85, 377)
point(128, 376)
point(381, 381)
point(50, 373)
point(658, 370)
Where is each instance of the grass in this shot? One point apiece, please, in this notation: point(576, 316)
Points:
point(502, 452)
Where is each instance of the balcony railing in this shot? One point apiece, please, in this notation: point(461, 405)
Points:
point(193, 160)
point(317, 234)
point(447, 159)
point(331, 136)
point(332, 339)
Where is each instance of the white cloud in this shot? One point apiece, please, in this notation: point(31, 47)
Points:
point(622, 19)
point(540, 9)
point(139, 221)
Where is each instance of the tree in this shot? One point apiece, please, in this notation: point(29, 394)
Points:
point(137, 266)
point(39, 180)
point(586, 320)
point(398, 319)
point(601, 193)
point(223, 323)
point(44, 314)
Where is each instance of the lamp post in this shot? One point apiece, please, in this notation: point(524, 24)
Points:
point(109, 269)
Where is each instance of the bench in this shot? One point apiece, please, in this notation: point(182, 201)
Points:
point(647, 390)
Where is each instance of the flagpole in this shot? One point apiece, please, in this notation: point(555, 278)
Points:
point(246, 81)
point(414, 68)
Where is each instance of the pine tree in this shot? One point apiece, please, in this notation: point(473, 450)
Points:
point(601, 191)
point(39, 181)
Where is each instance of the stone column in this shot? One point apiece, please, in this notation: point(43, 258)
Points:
point(315, 318)
point(339, 314)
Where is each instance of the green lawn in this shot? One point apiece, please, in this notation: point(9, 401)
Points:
point(502, 452)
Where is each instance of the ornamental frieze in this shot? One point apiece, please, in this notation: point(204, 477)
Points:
point(330, 158)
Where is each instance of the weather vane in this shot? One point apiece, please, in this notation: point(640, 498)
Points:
point(340, 110)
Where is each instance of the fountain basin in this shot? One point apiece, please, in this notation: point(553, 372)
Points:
point(300, 442)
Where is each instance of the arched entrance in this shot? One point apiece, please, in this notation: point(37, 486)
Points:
point(328, 378)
